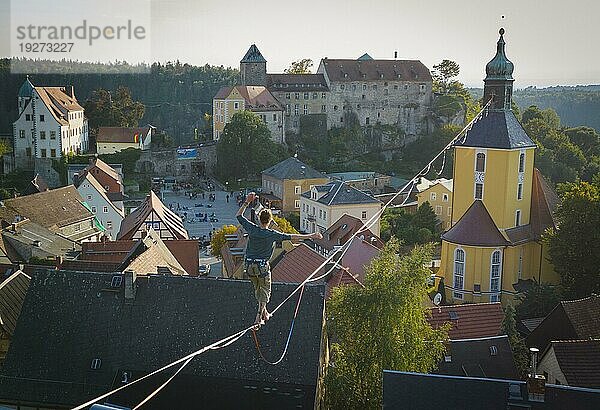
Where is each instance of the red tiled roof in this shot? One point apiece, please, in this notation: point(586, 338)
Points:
point(475, 228)
point(543, 204)
point(297, 264)
point(470, 320)
point(370, 70)
point(342, 230)
point(358, 256)
point(579, 361)
point(122, 134)
point(257, 97)
point(59, 102)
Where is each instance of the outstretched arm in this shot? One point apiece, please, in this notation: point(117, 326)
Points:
point(249, 199)
point(297, 236)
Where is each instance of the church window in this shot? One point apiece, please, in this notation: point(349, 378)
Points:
point(479, 191)
point(495, 270)
point(480, 162)
point(522, 162)
point(459, 273)
point(520, 191)
point(518, 217)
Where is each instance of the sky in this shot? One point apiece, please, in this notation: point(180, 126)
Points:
point(550, 42)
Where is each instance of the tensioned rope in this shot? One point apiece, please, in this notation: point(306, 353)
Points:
point(236, 336)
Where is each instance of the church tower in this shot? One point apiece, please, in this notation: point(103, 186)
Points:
point(500, 202)
point(253, 68)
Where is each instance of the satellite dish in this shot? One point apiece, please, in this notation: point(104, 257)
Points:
point(437, 299)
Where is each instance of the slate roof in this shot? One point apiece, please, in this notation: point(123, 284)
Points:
point(469, 321)
point(257, 97)
point(340, 193)
point(297, 82)
point(12, 295)
point(37, 184)
point(475, 228)
point(149, 254)
point(489, 357)
point(496, 129)
point(292, 168)
point(375, 70)
point(253, 55)
point(51, 209)
point(29, 236)
point(432, 391)
point(69, 318)
point(579, 361)
point(135, 220)
point(122, 134)
point(342, 230)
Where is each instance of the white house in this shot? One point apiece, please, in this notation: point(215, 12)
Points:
point(51, 123)
point(110, 214)
point(323, 205)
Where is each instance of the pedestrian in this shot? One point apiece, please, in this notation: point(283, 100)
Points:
point(261, 243)
point(227, 198)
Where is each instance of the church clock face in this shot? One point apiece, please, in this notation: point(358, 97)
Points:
point(479, 177)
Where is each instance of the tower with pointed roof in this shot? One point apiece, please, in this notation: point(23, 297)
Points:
point(253, 68)
point(501, 204)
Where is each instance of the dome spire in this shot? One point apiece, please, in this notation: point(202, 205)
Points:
point(499, 79)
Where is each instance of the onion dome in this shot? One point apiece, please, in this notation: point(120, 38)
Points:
point(500, 67)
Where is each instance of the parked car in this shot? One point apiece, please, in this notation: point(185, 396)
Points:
point(203, 269)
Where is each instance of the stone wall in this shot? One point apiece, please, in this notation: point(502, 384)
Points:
point(402, 103)
point(167, 164)
point(43, 167)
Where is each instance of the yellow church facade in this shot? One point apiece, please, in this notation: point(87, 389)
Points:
point(501, 204)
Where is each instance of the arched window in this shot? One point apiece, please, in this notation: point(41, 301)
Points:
point(459, 273)
point(522, 162)
point(495, 272)
point(480, 163)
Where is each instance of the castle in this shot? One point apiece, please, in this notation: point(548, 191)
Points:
point(365, 90)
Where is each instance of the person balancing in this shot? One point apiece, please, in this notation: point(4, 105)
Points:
point(261, 243)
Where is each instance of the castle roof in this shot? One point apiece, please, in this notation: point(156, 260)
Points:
point(257, 97)
point(375, 70)
point(253, 55)
point(475, 228)
point(297, 82)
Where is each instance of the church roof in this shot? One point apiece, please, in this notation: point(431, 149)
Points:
point(475, 228)
point(497, 129)
point(253, 55)
point(500, 67)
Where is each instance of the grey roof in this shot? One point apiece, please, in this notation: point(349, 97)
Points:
point(497, 129)
point(30, 239)
point(26, 89)
point(69, 318)
point(253, 55)
point(12, 294)
point(475, 228)
point(432, 391)
point(340, 193)
point(292, 168)
point(473, 357)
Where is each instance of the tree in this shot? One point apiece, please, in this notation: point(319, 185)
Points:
point(574, 247)
point(418, 228)
point(380, 326)
point(443, 74)
point(517, 344)
point(218, 239)
point(284, 225)
point(300, 67)
point(245, 147)
point(537, 301)
point(586, 138)
point(105, 110)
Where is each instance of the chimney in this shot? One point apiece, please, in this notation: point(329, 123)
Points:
point(536, 384)
point(395, 55)
point(130, 287)
point(59, 262)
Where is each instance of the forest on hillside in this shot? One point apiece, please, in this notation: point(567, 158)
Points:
point(176, 96)
point(576, 106)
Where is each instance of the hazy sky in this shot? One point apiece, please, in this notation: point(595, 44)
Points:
point(550, 41)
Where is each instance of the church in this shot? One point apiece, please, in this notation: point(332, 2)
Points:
point(501, 204)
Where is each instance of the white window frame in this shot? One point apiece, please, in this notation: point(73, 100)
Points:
point(297, 189)
point(297, 203)
point(458, 274)
point(475, 191)
point(522, 159)
point(445, 197)
point(518, 217)
point(363, 215)
point(439, 210)
point(433, 196)
point(519, 191)
point(484, 153)
point(495, 275)
point(105, 209)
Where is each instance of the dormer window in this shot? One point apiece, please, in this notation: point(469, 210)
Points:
point(96, 364)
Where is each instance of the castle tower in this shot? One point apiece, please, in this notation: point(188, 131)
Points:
point(25, 94)
point(494, 239)
point(253, 68)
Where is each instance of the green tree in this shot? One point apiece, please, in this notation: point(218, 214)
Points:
point(537, 301)
point(586, 138)
point(218, 239)
point(300, 67)
point(104, 109)
point(418, 228)
point(517, 344)
point(574, 247)
point(245, 147)
point(380, 326)
point(284, 225)
point(443, 74)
